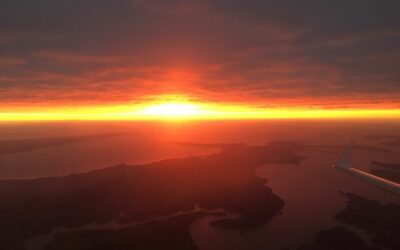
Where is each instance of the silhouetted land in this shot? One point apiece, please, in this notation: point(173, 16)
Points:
point(337, 238)
point(393, 143)
point(172, 233)
point(390, 140)
point(381, 221)
point(23, 145)
point(291, 145)
point(123, 193)
point(338, 148)
point(392, 166)
point(390, 171)
point(386, 174)
point(210, 145)
point(298, 145)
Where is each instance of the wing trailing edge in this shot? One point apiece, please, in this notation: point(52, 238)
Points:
point(344, 163)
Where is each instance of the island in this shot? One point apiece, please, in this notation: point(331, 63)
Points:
point(389, 171)
point(223, 180)
point(386, 174)
point(391, 166)
point(24, 145)
point(171, 233)
point(336, 238)
point(389, 140)
point(380, 221)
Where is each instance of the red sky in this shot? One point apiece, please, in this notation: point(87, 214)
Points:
point(325, 54)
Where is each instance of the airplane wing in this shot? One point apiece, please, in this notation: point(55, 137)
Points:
point(345, 159)
point(344, 164)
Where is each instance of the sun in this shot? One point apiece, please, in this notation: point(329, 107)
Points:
point(173, 107)
point(173, 110)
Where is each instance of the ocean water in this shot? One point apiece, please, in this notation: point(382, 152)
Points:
point(310, 190)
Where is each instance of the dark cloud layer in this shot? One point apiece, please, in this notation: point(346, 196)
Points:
point(291, 52)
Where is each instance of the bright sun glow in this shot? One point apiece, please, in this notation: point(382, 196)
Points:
point(180, 108)
point(173, 110)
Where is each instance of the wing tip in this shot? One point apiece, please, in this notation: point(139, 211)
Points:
point(345, 158)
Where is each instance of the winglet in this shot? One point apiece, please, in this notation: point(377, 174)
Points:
point(345, 158)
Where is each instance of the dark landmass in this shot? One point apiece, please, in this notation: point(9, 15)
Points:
point(226, 180)
point(339, 148)
point(390, 171)
point(24, 145)
point(298, 145)
point(172, 233)
point(392, 143)
point(392, 166)
point(391, 140)
point(210, 145)
point(337, 238)
point(385, 136)
point(386, 174)
point(289, 145)
point(280, 144)
point(381, 221)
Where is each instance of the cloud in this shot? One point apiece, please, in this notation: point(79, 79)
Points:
point(265, 52)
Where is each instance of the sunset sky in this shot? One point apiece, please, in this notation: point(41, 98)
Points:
point(256, 58)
